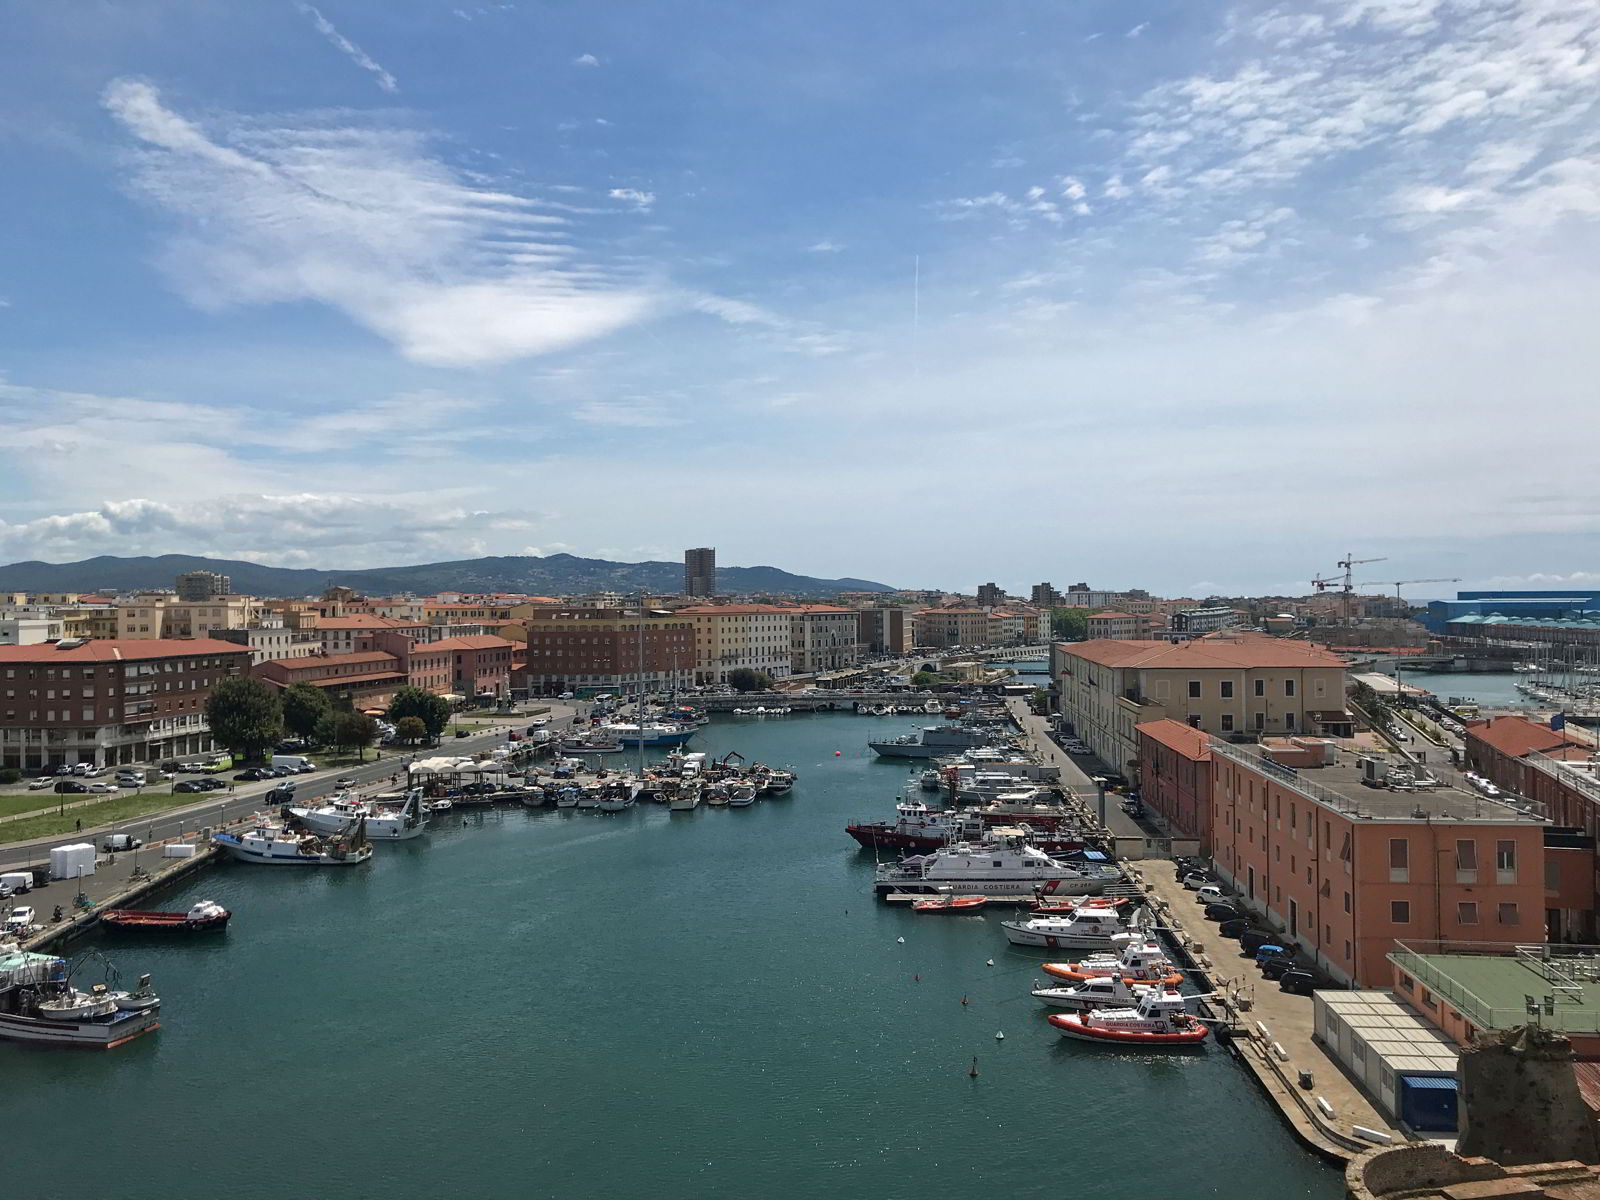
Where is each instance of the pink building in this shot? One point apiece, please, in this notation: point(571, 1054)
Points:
point(1175, 777)
point(478, 665)
point(1345, 868)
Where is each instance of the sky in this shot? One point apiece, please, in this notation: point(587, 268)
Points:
point(1145, 293)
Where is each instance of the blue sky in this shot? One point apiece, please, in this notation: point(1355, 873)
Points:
point(1206, 295)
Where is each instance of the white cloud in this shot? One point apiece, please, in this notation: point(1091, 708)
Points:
point(586, 60)
point(825, 247)
point(348, 48)
point(643, 201)
point(366, 221)
point(1138, 29)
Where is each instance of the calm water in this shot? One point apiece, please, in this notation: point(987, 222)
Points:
point(641, 1004)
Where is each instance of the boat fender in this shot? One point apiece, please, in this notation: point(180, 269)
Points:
point(1000, 1036)
point(990, 963)
point(900, 941)
point(660, 797)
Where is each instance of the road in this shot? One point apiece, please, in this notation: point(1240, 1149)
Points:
point(214, 807)
point(1073, 773)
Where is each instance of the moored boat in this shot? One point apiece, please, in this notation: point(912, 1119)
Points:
point(385, 819)
point(274, 845)
point(1083, 929)
point(949, 904)
point(204, 916)
point(1159, 1021)
point(38, 1003)
point(1105, 991)
point(1004, 865)
point(1137, 960)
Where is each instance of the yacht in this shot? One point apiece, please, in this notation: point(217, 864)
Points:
point(919, 827)
point(651, 733)
point(38, 1003)
point(384, 821)
point(932, 741)
point(1005, 865)
point(1083, 929)
point(275, 845)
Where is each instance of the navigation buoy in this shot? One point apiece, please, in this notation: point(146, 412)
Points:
point(837, 753)
point(918, 978)
point(972, 1072)
point(1000, 1036)
point(990, 963)
point(963, 1000)
point(901, 940)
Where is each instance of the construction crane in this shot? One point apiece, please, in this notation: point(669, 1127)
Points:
point(1345, 581)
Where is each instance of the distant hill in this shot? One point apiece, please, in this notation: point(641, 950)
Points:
point(553, 575)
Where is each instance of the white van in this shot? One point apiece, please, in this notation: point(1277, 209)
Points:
point(293, 762)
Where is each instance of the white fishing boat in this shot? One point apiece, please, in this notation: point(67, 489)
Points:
point(617, 798)
point(38, 1003)
point(1082, 929)
point(1004, 865)
point(567, 797)
point(275, 845)
point(388, 819)
point(685, 799)
point(589, 797)
point(741, 795)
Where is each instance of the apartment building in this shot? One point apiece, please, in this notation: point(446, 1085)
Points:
point(605, 650)
point(1230, 685)
point(272, 639)
point(109, 702)
point(1044, 595)
point(30, 631)
point(479, 665)
point(364, 680)
point(1117, 626)
point(941, 628)
point(1193, 622)
point(356, 632)
point(168, 617)
point(196, 586)
point(823, 637)
point(730, 636)
point(884, 630)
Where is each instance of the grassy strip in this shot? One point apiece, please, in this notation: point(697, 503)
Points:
point(40, 802)
point(117, 808)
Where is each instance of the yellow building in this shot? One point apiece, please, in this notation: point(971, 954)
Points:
point(167, 618)
point(730, 636)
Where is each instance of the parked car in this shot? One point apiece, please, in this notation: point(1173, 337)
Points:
point(191, 785)
point(1195, 880)
point(343, 784)
point(463, 733)
point(70, 787)
point(211, 785)
point(1253, 939)
point(1276, 968)
point(1225, 912)
point(39, 784)
point(565, 696)
point(1211, 893)
point(1301, 982)
point(120, 841)
point(254, 774)
point(63, 769)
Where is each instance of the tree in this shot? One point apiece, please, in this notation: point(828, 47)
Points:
point(245, 715)
point(410, 730)
point(1070, 624)
point(431, 709)
point(744, 679)
point(356, 730)
point(303, 707)
point(926, 679)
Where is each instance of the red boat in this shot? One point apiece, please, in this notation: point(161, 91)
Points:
point(206, 916)
point(949, 904)
point(1159, 1021)
point(1054, 908)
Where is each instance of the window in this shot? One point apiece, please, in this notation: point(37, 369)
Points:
point(1427, 999)
point(1400, 912)
point(1259, 720)
point(1288, 720)
point(1508, 915)
point(1467, 912)
point(1399, 860)
point(1261, 687)
point(1227, 722)
point(1288, 687)
point(1347, 902)
point(1505, 862)
point(1194, 689)
point(1227, 689)
point(1466, 861)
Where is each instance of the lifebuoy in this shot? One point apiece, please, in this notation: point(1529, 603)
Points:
point(660, 797)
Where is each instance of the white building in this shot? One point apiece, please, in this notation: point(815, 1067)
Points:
point(29, 631)
point(730, 636)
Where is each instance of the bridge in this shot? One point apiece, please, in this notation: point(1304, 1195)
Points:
point(1005, 654)
point(815, 701)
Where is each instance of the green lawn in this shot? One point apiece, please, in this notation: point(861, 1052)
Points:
point(38, 801)
point(116, 808)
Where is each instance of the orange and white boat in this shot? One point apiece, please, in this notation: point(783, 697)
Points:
point(1139, 960)
point(1158, 1021)
point(949, 904)
point(1067, 904)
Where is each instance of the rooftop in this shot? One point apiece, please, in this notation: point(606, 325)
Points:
point(368, 621)
point(117, 650)
point(1188, 741)
point(1489, 982)
point(317, 661)
point(482, 641)
point(1215, 652)
point(1339, 786)
point(1516, 736)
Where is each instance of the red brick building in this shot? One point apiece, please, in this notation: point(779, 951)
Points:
point(1175, 777)
point(110, 701)
point(478, 665)
point(603, 650)
point(363, 680)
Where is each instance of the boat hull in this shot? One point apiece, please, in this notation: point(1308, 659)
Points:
point(950, 904)
point(1070, 971)
point(247, 854)
point(993, 887)
point(100, 1035)
point(1057, 941)
point(880, 837)
point(166, 924)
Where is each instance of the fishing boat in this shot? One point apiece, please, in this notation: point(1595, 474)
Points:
point(1004, 865)
point(567, 797)
point(38, 1003)
point(1106, 991)
point(616, 799)
point(685, 799)
point(772, 781)
point(534, 797)
point(949, 904)
point(387, 818)
point(741, 795)
point(1084, 929)
point(204, 916)
point(275, 845)
point(1159, 1020)
point(717, 797)
point(1137, 959)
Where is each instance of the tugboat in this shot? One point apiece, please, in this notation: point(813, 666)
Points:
point(204, 916)
point(1159, 1021)
point(38, 1003)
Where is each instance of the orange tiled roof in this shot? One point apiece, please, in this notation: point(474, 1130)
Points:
point(1516, 736)
point(1203, 653)
point(479, 641)
point(1188, 741)
point(370, 621)
point(119, 650)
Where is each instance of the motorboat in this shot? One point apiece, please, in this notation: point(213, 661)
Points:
point(38, 1003)
point(741, 795)
point(930, 781)
point(1084, 929)
point(204, 916)
point(717, 797)
point(772, 781)
point(1069, 904)
point(387, 818)
point(534, 797)
point(1136, 959)
point(1159, 1020)
point(589, 797)
point(1003, 865)
point(918, 827)
point(1103, 991)
point(650, 733)
point(617, 797)
point(437, 806)
point(276, 845)
point(567, 797)
point(686, 798)
point(950, 904)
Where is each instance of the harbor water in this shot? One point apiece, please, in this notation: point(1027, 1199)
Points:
point(672, 1005)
